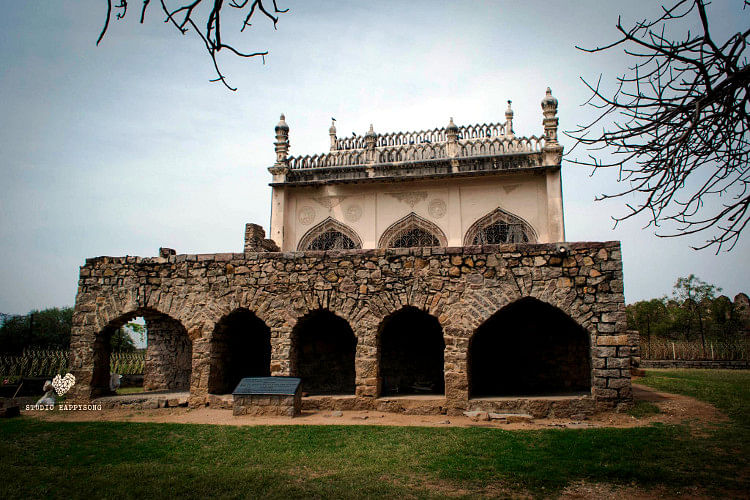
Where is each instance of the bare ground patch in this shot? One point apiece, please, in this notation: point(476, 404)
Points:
point(673, 409)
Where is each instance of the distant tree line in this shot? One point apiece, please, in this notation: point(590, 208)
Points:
point(694, 313)
point(50, 329)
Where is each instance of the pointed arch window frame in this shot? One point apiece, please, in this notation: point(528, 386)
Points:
point(329, 224)
point(411, 221)
point(499, 215)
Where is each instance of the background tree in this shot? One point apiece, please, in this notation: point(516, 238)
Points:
point(121, 340)
point(47, 329)
point(696, 296)
point(676, 127)
point(211, 15)
point(50, 329)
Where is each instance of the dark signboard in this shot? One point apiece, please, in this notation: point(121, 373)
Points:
point(282, 386)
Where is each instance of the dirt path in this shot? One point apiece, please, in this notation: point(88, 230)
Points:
point(674, 409)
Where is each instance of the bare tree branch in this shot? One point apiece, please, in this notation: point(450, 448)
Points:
point(677, 127)
point(183, 14)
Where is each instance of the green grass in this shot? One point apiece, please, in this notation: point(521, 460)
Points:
point(118, 459)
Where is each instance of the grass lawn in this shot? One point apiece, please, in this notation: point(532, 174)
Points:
point(111, 459)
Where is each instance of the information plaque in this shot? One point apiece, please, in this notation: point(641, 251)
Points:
point(281, 386)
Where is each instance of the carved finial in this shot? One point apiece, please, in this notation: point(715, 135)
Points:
point(370, 138)
point(509, 120)
point(549, 102)
point(452, 126)
point(282, 140)
point(552, 149)
point(332, 134)
point(282, 124)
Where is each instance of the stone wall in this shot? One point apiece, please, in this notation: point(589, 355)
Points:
point(267, 405)
point(168, 355)
point(460, 286)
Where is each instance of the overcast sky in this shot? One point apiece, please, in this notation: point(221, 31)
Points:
point(126, 147)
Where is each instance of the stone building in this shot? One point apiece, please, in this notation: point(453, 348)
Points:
point(413, 271)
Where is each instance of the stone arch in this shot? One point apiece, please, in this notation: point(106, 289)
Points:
point(168, 364)
point(411, 231)
point(330, 235)
point(240, 346)
point(323, 352)
point(529, 348)
point(498, 227)
point(411, 353)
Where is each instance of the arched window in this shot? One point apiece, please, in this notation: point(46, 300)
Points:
point(499, 227)
point(412, 231)
point(330, 235)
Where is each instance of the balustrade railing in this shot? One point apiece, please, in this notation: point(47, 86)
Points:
point(472, 140)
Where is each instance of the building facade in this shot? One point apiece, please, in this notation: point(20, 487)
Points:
point(419, 272)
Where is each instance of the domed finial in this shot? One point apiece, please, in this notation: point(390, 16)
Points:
point(371, 132)
point(332, 129)
point(509, 111)
point(549, 101)
point(452, 126)
point(282, 123)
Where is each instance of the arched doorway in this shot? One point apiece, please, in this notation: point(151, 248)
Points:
point(411, 353)
point(529, 348)
point(168, 358)
point(323, 351)
point(240, 347)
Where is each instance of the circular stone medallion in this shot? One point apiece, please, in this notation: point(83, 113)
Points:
point(437, 208)
point(306, 215)
point(353, 213)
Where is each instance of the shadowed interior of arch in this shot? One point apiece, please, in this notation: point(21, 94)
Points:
point(323, 352)
point(240, 347)
point(529, 348)
point(168, 360)
point(411, 353)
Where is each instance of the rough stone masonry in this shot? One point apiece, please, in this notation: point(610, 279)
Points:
point(462, 287)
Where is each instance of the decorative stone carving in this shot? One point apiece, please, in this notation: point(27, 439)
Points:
point(306, 215)
point(437, 208)
point(329, 202)
point(330, 235)
point(353, 213)
point(412, 231)
point(411, 198)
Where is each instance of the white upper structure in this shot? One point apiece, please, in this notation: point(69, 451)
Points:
point(452, 186)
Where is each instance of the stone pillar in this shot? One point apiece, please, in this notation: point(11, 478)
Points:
point(555, 212)
point(456, 367)
point(282, 358)
point(552, 156)
point(366, 362)
point(279, 170)
point(278, 203)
